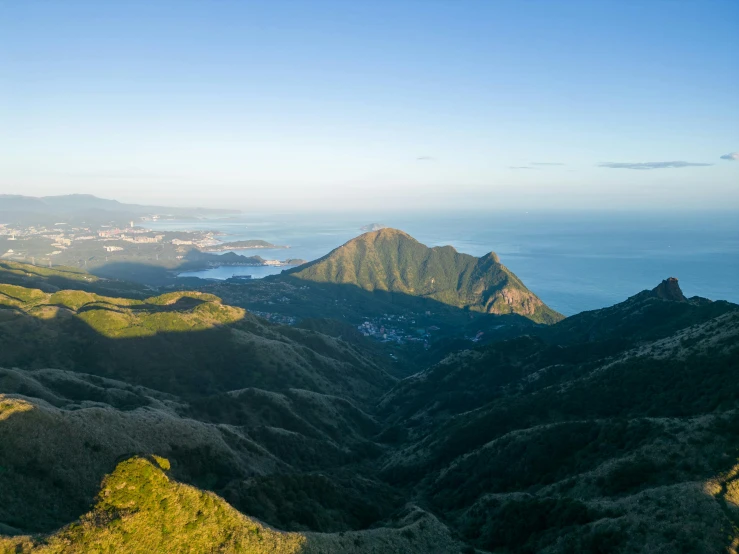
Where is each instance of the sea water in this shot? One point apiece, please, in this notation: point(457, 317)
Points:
point(572, 261)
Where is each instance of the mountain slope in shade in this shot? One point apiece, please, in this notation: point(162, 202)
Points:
point(140, 509)
point(393, 261)
point(646, 315)
point(612, 431)
point(183, 342)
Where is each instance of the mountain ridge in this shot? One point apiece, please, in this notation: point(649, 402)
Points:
point(391, 260)
point(613, 430)
point(83, 202)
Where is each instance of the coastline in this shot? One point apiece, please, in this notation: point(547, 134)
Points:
point(215, 249)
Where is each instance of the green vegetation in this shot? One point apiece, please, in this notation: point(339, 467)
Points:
point(182, 342)
point(10, 406)
point(28, 270)
point(139, 509)
point(612, 431)
point(591, 423)
point(120, 317)
point(389, 260)
point(526, 524)
point(61, 277)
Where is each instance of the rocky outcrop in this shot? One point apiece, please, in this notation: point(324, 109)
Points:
point(669, 289)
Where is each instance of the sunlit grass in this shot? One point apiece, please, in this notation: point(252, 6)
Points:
point(10, 406)
point(725, 488)
point(122, 317)
point(139, 509)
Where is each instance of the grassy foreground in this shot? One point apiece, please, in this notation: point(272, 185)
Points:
point(139, 509)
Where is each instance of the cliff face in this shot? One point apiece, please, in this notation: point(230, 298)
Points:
point(669, 289)
point(391, 260)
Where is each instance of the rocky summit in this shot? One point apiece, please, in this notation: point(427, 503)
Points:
point(669, 289)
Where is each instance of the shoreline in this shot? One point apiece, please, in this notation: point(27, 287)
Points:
point(208, 266)
point(211, 250)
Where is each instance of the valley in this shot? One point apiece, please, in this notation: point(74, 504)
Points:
point(126, 410)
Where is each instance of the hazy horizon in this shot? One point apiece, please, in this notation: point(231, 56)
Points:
point(333, 105)
point(375, 215)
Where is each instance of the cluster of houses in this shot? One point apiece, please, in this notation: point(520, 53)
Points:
point(280, 319)
point(384, 330)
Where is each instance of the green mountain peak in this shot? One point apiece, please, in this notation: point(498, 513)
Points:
point(390, 260)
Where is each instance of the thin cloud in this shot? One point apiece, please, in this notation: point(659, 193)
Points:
point(651, 165)
point(425, 159)
point(731, 157)
point(520, 167)
point(546, 163)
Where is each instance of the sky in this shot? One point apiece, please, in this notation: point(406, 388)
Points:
point(407, 105)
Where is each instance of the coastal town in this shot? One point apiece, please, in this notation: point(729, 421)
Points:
point(397, 329)
point(90, 246)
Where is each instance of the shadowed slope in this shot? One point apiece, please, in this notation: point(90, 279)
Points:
point(647, 315)
point(121, 317)
point(183, 342)
point(61, 432)
point(611, 431)
point(597, 443)
point(140, 509)
point(53, 458)
point(61, 277)
point(393, 261)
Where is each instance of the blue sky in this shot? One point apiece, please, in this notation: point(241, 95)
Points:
point(353, 104)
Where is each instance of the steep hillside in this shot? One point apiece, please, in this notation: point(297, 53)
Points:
point(122, 317)
point(591, 443)
point(184, 342)
point(61, 432)
point(611, 431)
point(241, 407)
point(391, 261)
point(140, 509)
point(648, 314)
point(60, 278)
point(290, 459)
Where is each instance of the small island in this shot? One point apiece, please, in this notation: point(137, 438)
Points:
point(241, 245)
point(372, 227)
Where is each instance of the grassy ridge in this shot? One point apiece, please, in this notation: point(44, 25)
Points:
point(612, 431)
point(139, 509)
point(121, 317)
point(183, 342)
point(65, 272)
point(63, 277)
point(592, 438)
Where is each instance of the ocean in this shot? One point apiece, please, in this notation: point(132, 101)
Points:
point(572, 261)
